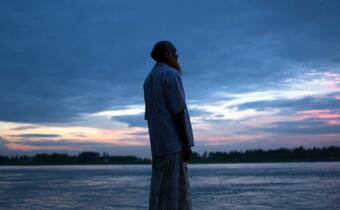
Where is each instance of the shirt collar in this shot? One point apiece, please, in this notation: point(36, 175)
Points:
point(158, 64)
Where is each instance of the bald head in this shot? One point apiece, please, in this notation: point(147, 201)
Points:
point(165, 52)
point(160, 50)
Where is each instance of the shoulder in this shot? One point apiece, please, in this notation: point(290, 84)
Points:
point(171, 73)
point(166, 69)
point(146, 80)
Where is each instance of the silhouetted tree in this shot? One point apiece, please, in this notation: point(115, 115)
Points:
point(89, 156)
point(331, 153)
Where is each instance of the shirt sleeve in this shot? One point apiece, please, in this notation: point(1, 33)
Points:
point(145, 97)
point(174, 93)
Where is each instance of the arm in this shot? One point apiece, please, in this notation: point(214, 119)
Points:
point(180, 125)
point(175, 98)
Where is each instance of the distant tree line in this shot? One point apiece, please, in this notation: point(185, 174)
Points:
point(86, 157)
point(331, 153)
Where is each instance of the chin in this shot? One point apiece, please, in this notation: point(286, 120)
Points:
point(174, 64)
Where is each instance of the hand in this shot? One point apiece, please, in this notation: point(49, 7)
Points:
point(186, 150)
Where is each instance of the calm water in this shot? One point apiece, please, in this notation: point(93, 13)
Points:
point(215, 186)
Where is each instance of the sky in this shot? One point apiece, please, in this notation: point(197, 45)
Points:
point(257, 74)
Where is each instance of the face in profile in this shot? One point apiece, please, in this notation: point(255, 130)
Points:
point(171, 57)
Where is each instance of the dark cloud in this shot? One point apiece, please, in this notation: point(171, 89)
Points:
point(306, 126)
point(132, 120)
point(59, 143)
point(306, 103)
point(36, 135)
point(78, 134)
point(58, 61)
point(24, 127)
point(193, 112)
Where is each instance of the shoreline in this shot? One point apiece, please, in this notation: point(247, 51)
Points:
point(190, 163)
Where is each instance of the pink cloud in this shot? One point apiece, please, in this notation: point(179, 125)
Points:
point(328, 115)
point(322, 113)
point(308, 139)
point(21, 147)
point(219, 139)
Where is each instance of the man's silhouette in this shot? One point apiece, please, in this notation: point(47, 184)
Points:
point(170, 131)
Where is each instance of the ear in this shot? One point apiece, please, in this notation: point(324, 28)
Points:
point(167, 55)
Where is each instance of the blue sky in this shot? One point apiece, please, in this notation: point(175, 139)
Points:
point(257, 74)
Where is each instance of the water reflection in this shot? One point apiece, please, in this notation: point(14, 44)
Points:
point(214, 186)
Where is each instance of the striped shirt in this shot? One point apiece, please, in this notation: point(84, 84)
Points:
point(164, 97)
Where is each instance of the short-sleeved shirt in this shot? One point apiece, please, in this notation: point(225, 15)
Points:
point(164, 97)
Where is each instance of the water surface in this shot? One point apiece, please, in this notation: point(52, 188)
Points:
point(314, 185)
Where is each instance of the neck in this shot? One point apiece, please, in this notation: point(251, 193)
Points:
point(174, 64)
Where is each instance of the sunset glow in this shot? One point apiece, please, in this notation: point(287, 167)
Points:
point(73, 82)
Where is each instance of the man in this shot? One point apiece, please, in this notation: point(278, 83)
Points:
point(170, 131)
